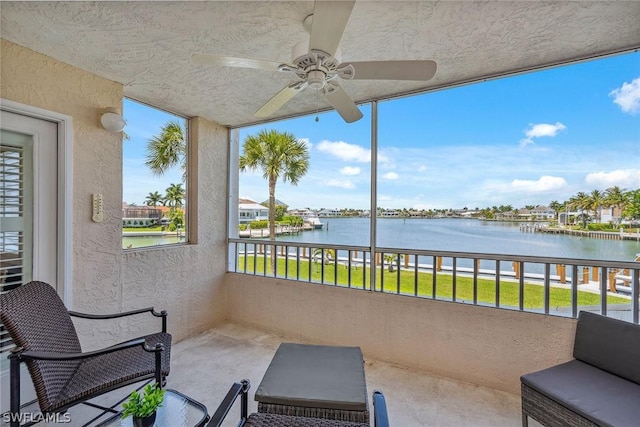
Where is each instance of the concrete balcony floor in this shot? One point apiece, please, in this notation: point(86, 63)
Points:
point(206, 365)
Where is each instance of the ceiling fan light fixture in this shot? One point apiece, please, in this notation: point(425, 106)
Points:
point(316, 79)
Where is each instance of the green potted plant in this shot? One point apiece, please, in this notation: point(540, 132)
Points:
point(143, 407)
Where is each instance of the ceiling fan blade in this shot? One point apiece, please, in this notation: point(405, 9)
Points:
point(393, 70)
point(329, 21)
point(279, 99)
point(344, 105)
point(228, 61)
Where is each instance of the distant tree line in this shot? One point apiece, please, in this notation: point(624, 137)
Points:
point(625, 202)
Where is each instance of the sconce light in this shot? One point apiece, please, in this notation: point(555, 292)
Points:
point(112, 121)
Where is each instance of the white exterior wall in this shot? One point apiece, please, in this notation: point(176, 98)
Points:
point(105, 278)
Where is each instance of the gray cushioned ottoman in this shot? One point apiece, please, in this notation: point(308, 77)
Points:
point(315, 381)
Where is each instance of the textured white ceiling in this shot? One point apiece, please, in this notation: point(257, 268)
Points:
point(147, 46)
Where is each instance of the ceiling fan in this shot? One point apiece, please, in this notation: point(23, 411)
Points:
point(316, 63)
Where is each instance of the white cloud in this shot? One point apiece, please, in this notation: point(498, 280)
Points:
point(345, 151)
point(621, 178)
point(545, 183)
point(390, 176)
point(350, 152)
point(628, 96)
point(350, 170)
point(540, 130)
point(306, 142)
point(340, 184)
point(422, 168)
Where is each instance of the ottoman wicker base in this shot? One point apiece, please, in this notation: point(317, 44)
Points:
point(301, 411)
point(275, 420)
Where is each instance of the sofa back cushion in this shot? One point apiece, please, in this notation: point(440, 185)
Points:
point(609, 344)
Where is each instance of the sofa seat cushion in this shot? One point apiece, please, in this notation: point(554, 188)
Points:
point(596, 395)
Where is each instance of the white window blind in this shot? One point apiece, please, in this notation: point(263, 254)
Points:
point(16, 213)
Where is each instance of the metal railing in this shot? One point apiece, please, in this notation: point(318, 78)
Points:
point(556, 286)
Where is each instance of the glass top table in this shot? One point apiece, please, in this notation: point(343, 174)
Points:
point(177, 410)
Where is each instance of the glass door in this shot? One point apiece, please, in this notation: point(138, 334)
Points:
point(28, 217)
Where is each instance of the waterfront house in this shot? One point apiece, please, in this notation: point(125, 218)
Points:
point(249, 211)
point(537, 213)
point(543, 212)
point(65, 63)
point(329, 213)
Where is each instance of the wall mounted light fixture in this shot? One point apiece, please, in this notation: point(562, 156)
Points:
point(112, 120)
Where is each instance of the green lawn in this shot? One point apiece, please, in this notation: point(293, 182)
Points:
point(486, 289)
point(156, 228)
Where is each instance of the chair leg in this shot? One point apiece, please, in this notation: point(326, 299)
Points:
point(14, 393)
point(158, 355)
point(525, 420)
point(244, 404)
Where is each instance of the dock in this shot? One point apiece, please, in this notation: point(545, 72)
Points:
point(607, 235)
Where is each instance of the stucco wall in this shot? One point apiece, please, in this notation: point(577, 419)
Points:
point(187, 280)
point(479, 345)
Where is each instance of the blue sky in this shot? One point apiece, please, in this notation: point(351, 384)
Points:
point(143, 123)
point(527, 139)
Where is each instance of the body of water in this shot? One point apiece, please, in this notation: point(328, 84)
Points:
point(466, 235)
point(129, 242)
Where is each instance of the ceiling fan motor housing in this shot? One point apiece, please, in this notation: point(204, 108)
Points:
point(316, 79)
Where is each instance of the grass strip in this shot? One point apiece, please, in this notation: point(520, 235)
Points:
point(358, 278)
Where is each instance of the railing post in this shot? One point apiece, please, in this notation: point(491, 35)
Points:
point(406, 260)
point(439, 263)
point(585, 275)
point(594, 274)
point(516, 268)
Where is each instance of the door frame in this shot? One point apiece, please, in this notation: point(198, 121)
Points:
point(65, 190)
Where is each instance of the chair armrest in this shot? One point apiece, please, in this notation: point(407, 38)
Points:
point(237, 389)
point(380, 416)
point(45, 355)
point(151, 310)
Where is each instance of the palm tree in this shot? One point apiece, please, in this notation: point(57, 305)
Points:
point(616, 197)
point(632, 204)
point(580, 201)
point(153, 199)
point(595, 202)
point(175, 196)
point(168, 149)
point(329, 255)
point(175, 199)
point(278, 155)
point(556, 206)
point(391, 259)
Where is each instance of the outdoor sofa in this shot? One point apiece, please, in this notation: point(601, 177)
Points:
point(600, 387)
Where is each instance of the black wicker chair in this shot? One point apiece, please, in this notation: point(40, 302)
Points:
point(63, 376)
point(261, 419)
